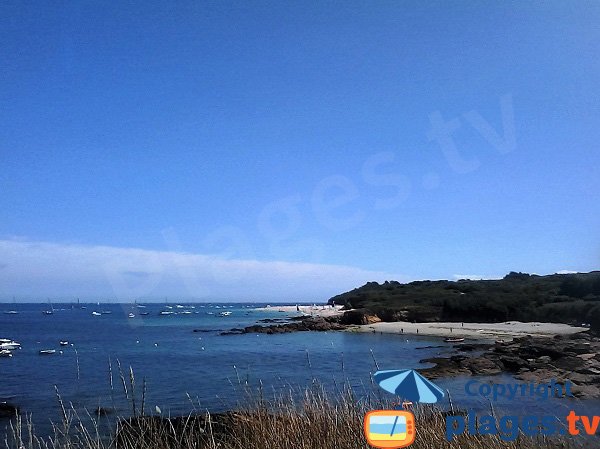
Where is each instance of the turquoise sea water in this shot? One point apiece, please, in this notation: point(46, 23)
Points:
point(185, 369)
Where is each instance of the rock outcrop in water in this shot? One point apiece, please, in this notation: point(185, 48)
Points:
point(319, 324)
point(575, 357)
point(8, 410)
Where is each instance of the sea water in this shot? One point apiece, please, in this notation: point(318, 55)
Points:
point(183, 370)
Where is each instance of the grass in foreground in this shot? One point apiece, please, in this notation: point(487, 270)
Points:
point(315, 421)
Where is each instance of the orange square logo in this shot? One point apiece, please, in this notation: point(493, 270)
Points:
point(390, 428)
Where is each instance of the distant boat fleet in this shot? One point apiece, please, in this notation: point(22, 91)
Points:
point(8, 346)
point(139, 310)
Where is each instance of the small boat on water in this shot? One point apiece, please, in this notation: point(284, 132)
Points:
point(131, 315)
point(64, 343)
point(96, 313)
point(5, 353)
point(454, 340)
point(11, 312)
point(225, 313)
point(145, 313)
point(47, 351)
point(166, 312)
point(49, 311)
point(9, 345)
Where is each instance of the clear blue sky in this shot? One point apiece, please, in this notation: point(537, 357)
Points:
point(269, 132)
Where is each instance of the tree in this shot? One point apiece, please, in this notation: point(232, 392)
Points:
point(593, 317)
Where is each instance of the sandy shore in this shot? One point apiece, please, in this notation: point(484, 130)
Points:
point(315, 310)
point(491, 331)
point(479, 331)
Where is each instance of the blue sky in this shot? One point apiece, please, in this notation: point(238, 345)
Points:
point(296, 149)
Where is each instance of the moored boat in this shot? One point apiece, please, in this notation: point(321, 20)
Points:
point(454, 340)
point(5, 353)
point(47, 351)
point(7, 344)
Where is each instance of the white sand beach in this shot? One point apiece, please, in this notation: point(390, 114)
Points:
point(479, 331)
point(314, 310)
point(490, 331)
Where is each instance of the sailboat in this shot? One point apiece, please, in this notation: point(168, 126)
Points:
point(12, 312)
point(51, 311)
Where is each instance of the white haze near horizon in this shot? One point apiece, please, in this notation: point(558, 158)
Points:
point(35, 271)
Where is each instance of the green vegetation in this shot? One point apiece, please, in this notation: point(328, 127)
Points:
point(563, 298)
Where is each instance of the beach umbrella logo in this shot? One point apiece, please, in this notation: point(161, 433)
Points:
point(409, 385)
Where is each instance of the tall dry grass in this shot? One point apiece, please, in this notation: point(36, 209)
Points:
point(312, 420)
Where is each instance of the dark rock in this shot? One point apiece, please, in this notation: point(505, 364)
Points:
point(568, 363)
point(8, 410)
point(589, 370)
point(586, 335)
point(318, 324)
point(579, 348)
point(482, 366)
point(513, 364)
point(358, 317)
point(391, 316)
point(104, 411)
point(431, 347)
point(472, 346)
point(531, 359)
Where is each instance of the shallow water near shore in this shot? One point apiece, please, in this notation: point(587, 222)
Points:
point(186, 370)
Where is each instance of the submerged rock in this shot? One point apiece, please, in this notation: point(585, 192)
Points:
point(104, 411)
point(8, 410)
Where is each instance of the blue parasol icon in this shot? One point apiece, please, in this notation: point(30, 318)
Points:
point(409, 385)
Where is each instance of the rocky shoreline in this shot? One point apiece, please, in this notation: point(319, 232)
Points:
point(298, 324)
point(575, 357)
